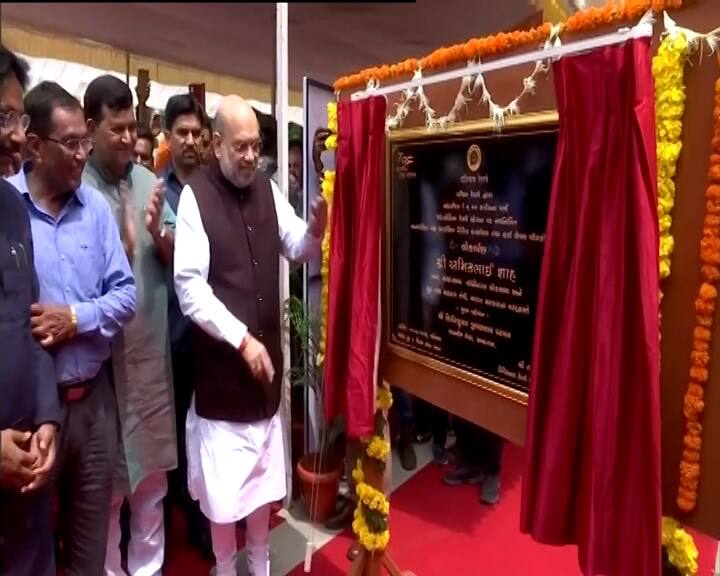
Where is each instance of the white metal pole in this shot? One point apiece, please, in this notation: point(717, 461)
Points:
point(281, 116)
point(643, 29)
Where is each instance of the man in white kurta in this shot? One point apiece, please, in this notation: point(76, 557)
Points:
point(226, 258)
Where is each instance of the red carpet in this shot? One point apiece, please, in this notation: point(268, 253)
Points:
point(443, 531)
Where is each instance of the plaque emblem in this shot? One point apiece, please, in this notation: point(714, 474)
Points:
point(474, 158)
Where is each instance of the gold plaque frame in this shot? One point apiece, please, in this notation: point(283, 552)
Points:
point(392, 352)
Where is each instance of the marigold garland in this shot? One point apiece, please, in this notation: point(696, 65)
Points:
point(680, 547)
point(668, 70)
point(693, 404)
point(327, 188)
point(583, 20)
point(370, 519)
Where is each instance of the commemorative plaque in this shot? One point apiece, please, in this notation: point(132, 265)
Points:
point(466, 229)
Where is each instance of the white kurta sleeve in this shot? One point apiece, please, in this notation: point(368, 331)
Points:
point(191, 265)
point(298, 244)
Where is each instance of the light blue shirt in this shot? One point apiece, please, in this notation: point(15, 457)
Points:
point(80, 261)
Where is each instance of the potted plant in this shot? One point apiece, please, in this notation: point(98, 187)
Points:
point(320, 470)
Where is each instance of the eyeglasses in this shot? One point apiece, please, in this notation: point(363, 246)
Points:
point(242, 148)
point(74, 145)
point(14, 120)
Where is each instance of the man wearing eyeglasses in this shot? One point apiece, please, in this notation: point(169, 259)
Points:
point(233, 225)
point(87, 295)
point(141, 353)
point(29, 406)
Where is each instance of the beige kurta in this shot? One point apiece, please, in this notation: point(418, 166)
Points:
point(142, 368)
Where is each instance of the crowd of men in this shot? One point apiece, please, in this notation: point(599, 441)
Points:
point(140, 329)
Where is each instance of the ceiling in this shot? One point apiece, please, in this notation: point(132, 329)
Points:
point(326, 40)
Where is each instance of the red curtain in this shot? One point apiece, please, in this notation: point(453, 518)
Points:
point(353, 309)
point(592, 475)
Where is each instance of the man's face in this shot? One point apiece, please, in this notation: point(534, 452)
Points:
point(12, 125)
point(184, 141)
point(295, 167)
point(114, 138)
point(238, 151)
point(64, 152)
point(144, 153)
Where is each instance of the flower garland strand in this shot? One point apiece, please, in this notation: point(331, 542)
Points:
point(693, 404)
point(370, 518)
point(582, 21)
point(668, 68)
point(679, 547)
point(327, 187)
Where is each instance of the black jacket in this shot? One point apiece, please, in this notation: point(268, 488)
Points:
point(28, 390)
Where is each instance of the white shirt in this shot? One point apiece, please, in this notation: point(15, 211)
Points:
point(192, 262)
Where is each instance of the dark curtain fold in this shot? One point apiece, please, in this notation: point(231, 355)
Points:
point(353, 309)
point(592, 475)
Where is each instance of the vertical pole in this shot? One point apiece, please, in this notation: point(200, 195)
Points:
point(274, 85)
point(281, 115)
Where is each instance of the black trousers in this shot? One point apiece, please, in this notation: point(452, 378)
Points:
point(26, 541)
point(477, 447)
point(87, 450)
point(182, 366)
point(430, 418)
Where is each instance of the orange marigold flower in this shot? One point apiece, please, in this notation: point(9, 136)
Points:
point(704, 321)
point(698, 392)
point(700, 345)
point(700, 358)
point(702, 334)
point(691, 456)
point(710, 250)
point(699, 374)
point(713, 192)
point(714, 172)
point(694, 428)
point(708, 292)
point(710, 273)
point(690, 470)
point(704, 307)
point(693, 442)
point(693, 407)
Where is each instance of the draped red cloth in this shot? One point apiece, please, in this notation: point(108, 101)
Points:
point(354, 283)
point(592, 475)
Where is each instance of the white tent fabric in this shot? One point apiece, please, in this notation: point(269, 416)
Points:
point(76, 77)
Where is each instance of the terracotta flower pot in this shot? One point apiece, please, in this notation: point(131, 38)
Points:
point(319, 487)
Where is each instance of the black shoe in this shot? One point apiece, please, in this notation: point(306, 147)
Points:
point(463, 475)
point(440, 455)
point(408, 458)
point(490, 490)
point(423, 437)
point(343, 517)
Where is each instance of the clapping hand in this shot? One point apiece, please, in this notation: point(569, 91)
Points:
point(127, 219)
point(153, 210)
